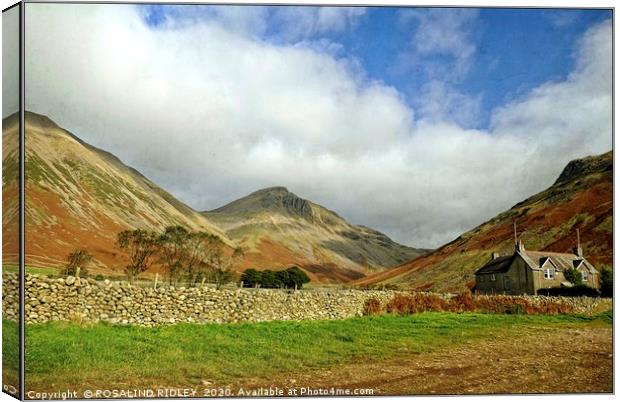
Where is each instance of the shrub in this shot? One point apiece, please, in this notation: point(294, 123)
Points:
point(607, 282)
point(574, 291)
point(99, 277)
point(462, 302)
point(573, 276)
point(372, 306)
point(415, 303)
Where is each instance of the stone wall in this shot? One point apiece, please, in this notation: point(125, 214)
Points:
point(87, 300)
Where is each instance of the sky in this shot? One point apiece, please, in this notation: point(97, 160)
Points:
point(421, 123)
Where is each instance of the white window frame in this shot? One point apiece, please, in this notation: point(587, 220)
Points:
point(584, 275)
point(549, 273)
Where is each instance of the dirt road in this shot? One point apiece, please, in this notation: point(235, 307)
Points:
point(557, 360)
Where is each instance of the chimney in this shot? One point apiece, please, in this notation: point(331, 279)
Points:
point(495, 256)
point(577, 250)
point(519, 246)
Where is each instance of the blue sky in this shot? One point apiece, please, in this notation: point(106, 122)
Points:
point(515, 50)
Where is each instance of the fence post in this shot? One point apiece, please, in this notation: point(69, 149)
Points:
point(156, 278)
point(77, 273)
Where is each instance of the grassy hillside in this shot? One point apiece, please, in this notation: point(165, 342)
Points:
point(581, 198)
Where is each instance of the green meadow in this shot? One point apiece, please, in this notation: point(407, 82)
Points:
point(98, 355)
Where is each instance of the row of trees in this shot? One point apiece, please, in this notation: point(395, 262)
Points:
point(291, 278)
point(191, 257)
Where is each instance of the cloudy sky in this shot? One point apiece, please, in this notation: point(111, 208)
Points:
point(421, 123)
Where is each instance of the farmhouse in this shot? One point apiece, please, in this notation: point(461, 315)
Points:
point(525, 271)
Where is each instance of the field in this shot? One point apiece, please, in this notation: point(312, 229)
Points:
point(73, 356)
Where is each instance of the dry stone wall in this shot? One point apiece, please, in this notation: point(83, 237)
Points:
point(87, 300)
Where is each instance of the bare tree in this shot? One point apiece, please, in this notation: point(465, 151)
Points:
point(220, 268)
point(141, 246)
point(201, 249)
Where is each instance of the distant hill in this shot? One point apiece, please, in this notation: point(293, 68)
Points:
point(81, 196)
point(277, 228)
point(580, 198)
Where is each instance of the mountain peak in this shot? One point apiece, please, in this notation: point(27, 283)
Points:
point(584, 166)
point(272, 190)
point(273, 199)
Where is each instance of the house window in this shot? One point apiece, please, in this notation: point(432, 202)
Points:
point(584, 275)
point(549, 273)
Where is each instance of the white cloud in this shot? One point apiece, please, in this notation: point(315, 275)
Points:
point(10, 61)
point(212, 114)
point(442, 49)
point(444, 32)
point(302, 22)
point(439, 101)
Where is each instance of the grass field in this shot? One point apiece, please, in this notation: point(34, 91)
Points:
point(79, 356)
point(31, 270)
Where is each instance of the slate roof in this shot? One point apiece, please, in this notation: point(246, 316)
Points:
point(497, 265)
point(536, 260)
point(560, 261)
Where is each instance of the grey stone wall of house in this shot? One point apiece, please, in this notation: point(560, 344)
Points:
point(86, 300)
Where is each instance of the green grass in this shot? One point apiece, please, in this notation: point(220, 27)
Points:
point(79, 356)
point(31, 270)
point(10, 352)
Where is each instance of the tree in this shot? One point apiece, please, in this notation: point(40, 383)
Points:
point(269, 279)
point(573, 276)
point(77, 259)
point(220, 268)
point(141, 245)
point(298, 277)
point(283, 280)
point(250, 278)
point(172, 253)
point(290, 278)
point(607, 282)
point(203, 253)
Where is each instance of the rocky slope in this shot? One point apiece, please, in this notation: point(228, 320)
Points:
point(79, 196)
point(581, 198)
point(277, 228)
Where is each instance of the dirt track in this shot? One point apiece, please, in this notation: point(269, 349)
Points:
point(558, 360)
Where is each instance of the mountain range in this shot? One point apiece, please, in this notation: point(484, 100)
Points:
point(581, 198)
point(79, 196)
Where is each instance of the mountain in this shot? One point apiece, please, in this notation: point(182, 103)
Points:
point(277, 228)
point(581, 198)
point(79, 196)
